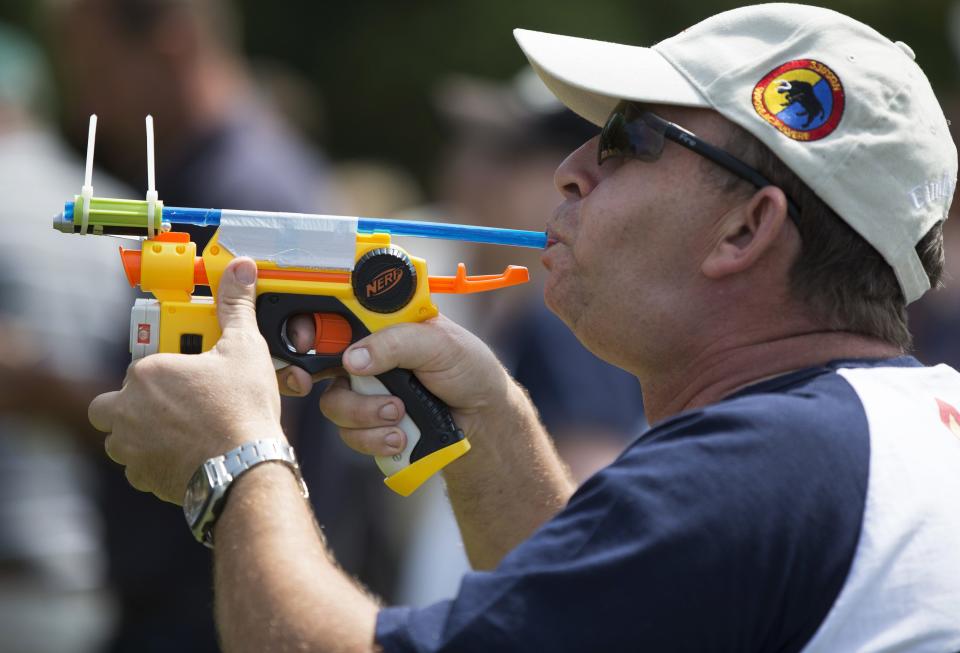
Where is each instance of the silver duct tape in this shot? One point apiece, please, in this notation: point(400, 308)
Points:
point(291, 240)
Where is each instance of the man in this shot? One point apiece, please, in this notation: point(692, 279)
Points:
point(798, 488)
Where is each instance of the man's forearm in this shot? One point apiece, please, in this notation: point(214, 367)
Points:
point(509, 484)
point(277, 588)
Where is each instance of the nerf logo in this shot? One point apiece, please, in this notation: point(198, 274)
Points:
point(384, 281)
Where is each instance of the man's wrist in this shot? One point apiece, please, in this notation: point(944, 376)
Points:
point(504, 402)
point(495, 432)
point(269, 483)
point(212, 483)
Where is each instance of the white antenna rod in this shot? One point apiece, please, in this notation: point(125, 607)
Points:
point(86, 192)
point(151, 180)
point(91, 141)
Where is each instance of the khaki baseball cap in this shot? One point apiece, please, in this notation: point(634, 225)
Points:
point(848, 110)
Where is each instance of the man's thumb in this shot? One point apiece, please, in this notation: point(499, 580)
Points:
point(237, 297)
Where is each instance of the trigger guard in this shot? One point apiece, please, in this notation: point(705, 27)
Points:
point(273, 311)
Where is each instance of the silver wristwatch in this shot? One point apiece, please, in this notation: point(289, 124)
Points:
point(207, 489)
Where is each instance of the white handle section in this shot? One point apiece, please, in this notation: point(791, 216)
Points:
point(389, 465)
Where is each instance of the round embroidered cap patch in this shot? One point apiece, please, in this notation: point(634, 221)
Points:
point(801, 98)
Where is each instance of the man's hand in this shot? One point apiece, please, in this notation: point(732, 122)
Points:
point(175, 411)
point(510, 481)
point(450, 361)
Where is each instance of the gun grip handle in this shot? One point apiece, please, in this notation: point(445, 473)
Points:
point(433, 438)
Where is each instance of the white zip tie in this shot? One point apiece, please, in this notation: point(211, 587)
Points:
point(86, 192)
point(151, 181)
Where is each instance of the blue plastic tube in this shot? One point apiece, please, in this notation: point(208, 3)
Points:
point(466, 233)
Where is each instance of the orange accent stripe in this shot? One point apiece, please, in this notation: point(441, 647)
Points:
point(172, 237)
point(200, 275)
point(300, 275)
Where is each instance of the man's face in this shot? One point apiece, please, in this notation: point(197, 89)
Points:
point(625, 271)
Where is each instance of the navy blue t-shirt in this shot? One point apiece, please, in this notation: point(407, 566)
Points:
point(728, 528)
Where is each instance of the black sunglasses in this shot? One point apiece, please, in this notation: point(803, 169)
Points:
point(633, 132)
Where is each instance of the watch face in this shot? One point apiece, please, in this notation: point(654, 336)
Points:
point(194, 501)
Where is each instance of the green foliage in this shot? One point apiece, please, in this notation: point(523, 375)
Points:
point(376, 62)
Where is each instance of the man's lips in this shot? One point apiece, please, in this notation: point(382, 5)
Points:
point(561, 216)
point(552, 238)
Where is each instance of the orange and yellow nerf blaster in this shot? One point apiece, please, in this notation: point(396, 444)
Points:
point(343, 270)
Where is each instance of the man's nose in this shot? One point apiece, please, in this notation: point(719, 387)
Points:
point(577, 176)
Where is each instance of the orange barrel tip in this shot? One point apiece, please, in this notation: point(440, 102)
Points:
point(131, 265)
point(131, 260)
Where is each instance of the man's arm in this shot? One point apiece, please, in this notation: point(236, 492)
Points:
point(277, 588)
point(509, 485)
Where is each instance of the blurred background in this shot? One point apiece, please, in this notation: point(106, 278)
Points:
point(420, 109)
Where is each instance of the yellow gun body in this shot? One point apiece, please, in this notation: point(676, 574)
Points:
point(386, 286)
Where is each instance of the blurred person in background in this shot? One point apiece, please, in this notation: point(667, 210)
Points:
point(64, 312)
point(219, 143)
point(506, 140)
point(935, 319)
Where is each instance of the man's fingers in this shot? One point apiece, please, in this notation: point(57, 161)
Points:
point(110, 446)
point(102, 411)
point(381, 441)
point(412, 346)
point(301, 332)
point(350, 410)
point(294, 381)
point(237, 297)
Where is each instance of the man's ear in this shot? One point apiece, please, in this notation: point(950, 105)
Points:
point(746, 233)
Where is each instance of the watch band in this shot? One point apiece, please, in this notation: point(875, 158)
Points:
point(217, 475)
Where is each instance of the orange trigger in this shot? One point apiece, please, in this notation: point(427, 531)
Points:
point(333, 333)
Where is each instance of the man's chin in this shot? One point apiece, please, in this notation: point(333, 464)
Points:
point(554, 302)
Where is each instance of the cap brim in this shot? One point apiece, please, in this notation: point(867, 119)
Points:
point(591, 77)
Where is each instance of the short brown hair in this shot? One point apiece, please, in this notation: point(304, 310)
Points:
point(845, 282)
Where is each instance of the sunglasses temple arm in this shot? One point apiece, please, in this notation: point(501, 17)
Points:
point(725, 160)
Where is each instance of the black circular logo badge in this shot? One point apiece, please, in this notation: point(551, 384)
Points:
point(384, 280)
